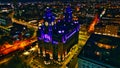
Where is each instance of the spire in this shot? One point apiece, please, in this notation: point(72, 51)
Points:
point(48, 16)
point(68, 14)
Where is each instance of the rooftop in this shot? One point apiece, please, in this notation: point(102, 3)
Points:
point(104, 50)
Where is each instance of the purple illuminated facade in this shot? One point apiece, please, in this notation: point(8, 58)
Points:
point(56, 38)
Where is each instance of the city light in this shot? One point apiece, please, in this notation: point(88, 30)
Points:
point(59, 34)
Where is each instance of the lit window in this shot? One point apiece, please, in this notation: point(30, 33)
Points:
point(46, 23)
point(52, 23)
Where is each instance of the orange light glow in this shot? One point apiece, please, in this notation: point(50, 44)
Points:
point(78, 8)
point(75, 18)
point(92, 25)
point(101, 45)
point(58, 55)
point(17, 45)
point(41, 21)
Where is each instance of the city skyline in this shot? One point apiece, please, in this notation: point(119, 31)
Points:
point(59, 34)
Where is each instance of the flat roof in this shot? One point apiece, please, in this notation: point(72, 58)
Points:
point(102, 49)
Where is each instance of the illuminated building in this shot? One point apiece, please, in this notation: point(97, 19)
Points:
point(56, 38)
point(110, 29)
point(100, 52)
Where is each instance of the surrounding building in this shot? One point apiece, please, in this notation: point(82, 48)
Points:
point(107, 29)
point(100, 52)
point(56, 38)
point(5, 21)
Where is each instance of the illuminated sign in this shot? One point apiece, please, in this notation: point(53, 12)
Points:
point(47, 38)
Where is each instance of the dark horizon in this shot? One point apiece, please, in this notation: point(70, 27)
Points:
point(9, 1)
point(33, 0)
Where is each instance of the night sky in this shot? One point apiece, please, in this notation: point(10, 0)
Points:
point(49, 0)
point(32, 0)
point(18, 0)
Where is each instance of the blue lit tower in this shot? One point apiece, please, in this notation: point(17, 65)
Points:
point(56, 38)
point(45, 33)
point(46, 28)
point(68, 14)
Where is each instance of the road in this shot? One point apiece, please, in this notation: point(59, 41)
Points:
point(32, 58)
point(6, 28)
point(94, 22)
point(5, 60)
point(8, 48)
point(24, 23)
